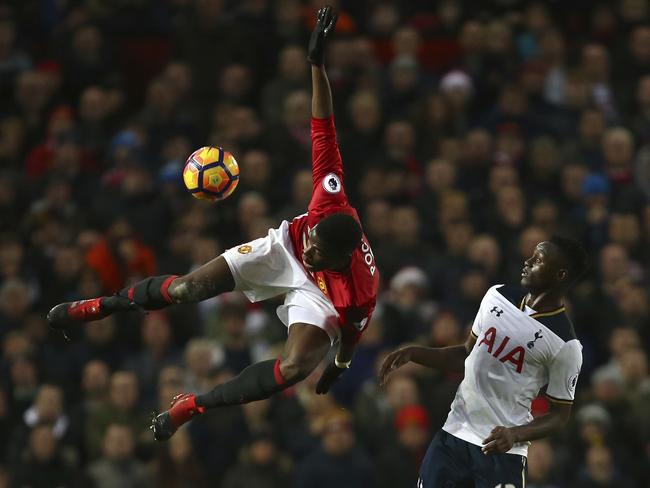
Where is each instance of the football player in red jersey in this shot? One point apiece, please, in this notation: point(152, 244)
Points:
point(320, 261)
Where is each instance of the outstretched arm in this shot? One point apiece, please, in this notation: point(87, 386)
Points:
point(321, 102)
point(321, 99)
point(451, 359)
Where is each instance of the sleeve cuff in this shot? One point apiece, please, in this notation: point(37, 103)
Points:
point(559, 400)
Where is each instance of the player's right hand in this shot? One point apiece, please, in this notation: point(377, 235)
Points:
point(325, 23)
point(394, 360)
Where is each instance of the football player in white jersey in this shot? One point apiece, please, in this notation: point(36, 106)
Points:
point(521, 343)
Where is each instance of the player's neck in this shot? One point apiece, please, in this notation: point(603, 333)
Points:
point(544, 301)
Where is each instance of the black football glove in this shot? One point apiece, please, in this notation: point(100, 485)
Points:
point(329, 377)
point(325, 23)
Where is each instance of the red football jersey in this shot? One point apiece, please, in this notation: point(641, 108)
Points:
point(353, 292)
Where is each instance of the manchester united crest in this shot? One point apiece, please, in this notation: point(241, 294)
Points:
point(321, 284)
point(244, 249)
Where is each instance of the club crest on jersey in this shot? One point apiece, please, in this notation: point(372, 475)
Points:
point(245, 249)
point(573, 380)
point(321, 284)
point(331, 183)
point(515, 355)
point(538, 335)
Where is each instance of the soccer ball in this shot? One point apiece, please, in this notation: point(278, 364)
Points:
point(211, 173)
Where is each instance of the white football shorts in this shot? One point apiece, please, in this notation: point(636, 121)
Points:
point(267, 267)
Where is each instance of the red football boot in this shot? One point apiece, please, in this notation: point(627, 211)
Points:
point(183, 409)
point(64, 315)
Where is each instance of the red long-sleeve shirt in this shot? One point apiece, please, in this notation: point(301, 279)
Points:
point(354, 291)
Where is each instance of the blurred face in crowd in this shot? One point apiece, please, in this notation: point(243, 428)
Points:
point(472, 37)
point(599, 464)
point(93, 106)
point(595, 62)
point(101, 332)
point(14, 298)
point(302, 188)
point(457, 237)
point(180, 76)
point(68, 263)
point(42, 443)
point(95, 379)
point(252, 205)
point(156, 331)
point(118, 442)
point(643, 93)
point(452, 207)
point(401, 390)
point(440, 175)
point(552, 46)
point(614, 263)
point(577, 93)
point(24, 374)
point(11, 258)
point(199, 355)
point(640, 44)
point(263, 452)
point(623, 339)
point(377, 218)
point(484, 251)
point(365, 112)
point(49, 403)
point(87, 44)
point(544, 157)
point(498, 37)
point(573, 176)
point(477, 147)
point(624, 229)
point(32, 93)
point(236, 82)
point(256, 165)
point(618, 148)
point(634, 365)
point(632, 300)
point(180, 447)
point(124, 390)
point(399, 139)
point(445, 330)
point(544, 214)
point(384, 18)
point(291, 65)
point(338, 435)
point(502, 176)
point(511, 206)
point(591, 126)
point(297, 109)
point(405, 223)
point(406, 41)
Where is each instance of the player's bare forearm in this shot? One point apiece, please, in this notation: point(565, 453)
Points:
point(321, 99)
point(501, 439)
point(449, 359)
point(543, 426)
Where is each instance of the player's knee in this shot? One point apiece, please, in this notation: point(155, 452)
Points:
point(295, 369)
point(181, 290)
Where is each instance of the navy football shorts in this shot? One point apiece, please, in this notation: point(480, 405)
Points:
point(454, 463)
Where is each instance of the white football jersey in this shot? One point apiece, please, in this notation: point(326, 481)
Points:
point(517, 353)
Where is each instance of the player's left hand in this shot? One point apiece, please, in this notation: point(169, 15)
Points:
point(329, 377)
point(499, 441)
point(325, 23)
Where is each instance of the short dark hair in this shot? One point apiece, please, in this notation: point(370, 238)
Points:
point(339, 231)
point(574, 253)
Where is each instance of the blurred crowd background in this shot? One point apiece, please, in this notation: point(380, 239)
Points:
point(470, 131)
